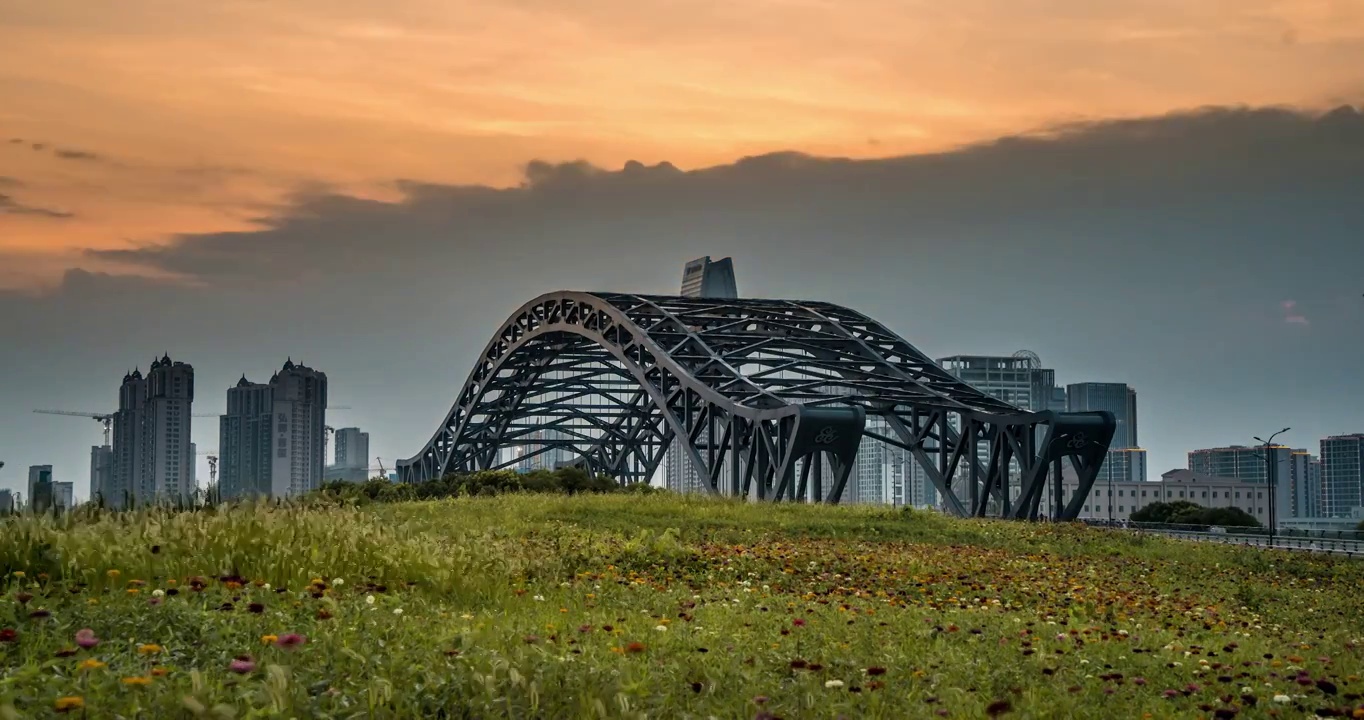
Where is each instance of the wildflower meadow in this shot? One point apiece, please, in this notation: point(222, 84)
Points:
point(545, 606)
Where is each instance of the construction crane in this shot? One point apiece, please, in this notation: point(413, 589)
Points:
point(382, 471)
point(106, 419)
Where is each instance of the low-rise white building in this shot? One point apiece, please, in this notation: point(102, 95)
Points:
point(1117, 500)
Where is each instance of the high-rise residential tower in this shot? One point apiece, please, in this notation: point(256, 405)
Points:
point(101, 471)
point(1342, 474)
point(167, 458)
point(271, 440)
point(125, 474)
point(244, 441)
point(352, 448)
point(300, 406)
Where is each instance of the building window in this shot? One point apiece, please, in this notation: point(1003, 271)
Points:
point(1238, 496)
point(1181, 493)
point(1120, 508)
point(1205, 493)
point(1143, 493)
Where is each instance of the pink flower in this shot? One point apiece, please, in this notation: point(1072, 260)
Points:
point(85, 637)
point(289, 641)
point(242, 665)
point(798, 622)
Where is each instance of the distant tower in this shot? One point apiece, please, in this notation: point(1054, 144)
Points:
point(245, 437)
point(166, 453)
point(125, 471)
point(704, 278)
point(701, 278)
point(300, 408)
point(352, 448)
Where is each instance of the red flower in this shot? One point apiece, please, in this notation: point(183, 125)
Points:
point(9, 635)
point(289, 641)
point(798, 622)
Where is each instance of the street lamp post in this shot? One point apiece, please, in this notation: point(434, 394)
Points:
point(1270, 480)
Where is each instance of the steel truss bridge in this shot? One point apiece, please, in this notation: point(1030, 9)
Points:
point(769, 399)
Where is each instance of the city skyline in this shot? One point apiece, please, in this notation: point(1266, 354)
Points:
point(1170, 197)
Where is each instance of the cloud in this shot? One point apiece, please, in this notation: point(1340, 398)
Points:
point(1292, 315)
point(61, 153)
point(9, 205)
point(10, 182)
point(67, 154)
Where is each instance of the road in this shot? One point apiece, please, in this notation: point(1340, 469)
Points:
point(1346, 548)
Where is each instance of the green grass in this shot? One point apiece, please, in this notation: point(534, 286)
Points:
point(657, 606)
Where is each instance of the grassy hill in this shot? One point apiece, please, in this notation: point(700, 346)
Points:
point(658, 606)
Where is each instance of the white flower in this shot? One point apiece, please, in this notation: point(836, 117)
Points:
point(833, 683)
point(467, 616)
point(369, 600)
point(338, 582)
point(1247, 690)
point(266, 586)
point(539, 598)
point(397, 611)
point(1282, 699)
point(158, 592)
point(661, 628)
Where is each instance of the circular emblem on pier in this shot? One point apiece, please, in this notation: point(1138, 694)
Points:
point(826, 435)
point(1077, 441)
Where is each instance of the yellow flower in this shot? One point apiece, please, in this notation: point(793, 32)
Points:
point(133, 591)
point(90, 664)
point(69, 703)
point(113, 574)
point(137, 680)
point(148, 649)
point(268, 639)
point(160, 671)
point(19, 574)
point(170, 581)
point(92, 601)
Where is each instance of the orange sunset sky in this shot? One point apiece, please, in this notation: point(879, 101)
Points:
point(125, 123)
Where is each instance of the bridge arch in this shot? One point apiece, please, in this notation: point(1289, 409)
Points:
point(769, 399)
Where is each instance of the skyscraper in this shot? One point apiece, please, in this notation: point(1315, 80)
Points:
point(701, 278)
point(128, 426)
point(1305, 485)
point(1125, 461)
point(1342, 474)
point(271, 439)
point(167, 458)
point(40, 491)
point(101, 471)
point(1116, 398)
point(1018, 379)
point(64, 495)
point(704, 278)
point(300, 406)
point(352, 448)
point(244, 441)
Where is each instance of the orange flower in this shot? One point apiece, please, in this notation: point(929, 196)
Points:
point(69, 703)
point(137, 680)
point(635, 647)
point(148, 649)
point(160, 671)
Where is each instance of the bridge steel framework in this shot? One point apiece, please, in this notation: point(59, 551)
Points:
point(770, 398)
